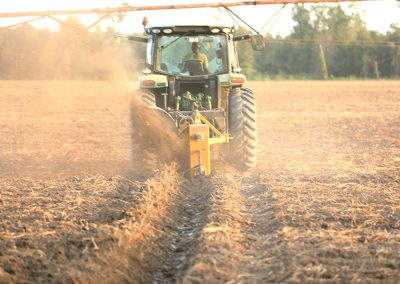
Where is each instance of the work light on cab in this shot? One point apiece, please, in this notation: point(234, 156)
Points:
point(167, 31)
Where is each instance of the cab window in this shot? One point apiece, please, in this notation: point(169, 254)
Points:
point(172, 49)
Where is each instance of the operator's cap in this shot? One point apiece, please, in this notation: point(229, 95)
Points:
point(195, 45)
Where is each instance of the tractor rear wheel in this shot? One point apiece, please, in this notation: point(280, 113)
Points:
point(154, 136)
point(243, 128)
point(141, 108)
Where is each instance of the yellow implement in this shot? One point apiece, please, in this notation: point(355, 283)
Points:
point(198, 137)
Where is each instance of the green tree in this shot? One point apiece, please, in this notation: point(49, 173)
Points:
point(394, 50)
point(303, 28)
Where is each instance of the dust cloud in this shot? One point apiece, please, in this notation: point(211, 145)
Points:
point(154, 136)
point(67, 54)
point(75, 118)
point(81, 127)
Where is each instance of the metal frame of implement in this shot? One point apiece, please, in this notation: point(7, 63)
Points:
point(197, 129)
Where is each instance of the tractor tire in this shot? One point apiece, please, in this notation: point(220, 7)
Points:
point(141, 104)
point(143, 158)
point(243, 128)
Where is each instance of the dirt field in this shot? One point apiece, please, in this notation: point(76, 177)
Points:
point(323, 205)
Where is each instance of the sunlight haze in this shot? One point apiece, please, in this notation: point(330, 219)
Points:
point(256, 16)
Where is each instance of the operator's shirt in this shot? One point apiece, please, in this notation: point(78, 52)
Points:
point(199, 56)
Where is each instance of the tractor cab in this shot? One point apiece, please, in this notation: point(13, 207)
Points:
point(190, 50)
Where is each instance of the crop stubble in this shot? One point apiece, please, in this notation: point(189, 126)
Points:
point(322, 206)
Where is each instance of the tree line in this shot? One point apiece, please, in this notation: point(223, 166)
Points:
point(71, 53)
point(326, 42)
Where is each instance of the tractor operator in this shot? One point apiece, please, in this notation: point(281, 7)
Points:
point(197, 55)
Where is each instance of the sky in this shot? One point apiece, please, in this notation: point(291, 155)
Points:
point(378, 15)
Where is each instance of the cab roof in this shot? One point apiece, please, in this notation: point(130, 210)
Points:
point(192, 29)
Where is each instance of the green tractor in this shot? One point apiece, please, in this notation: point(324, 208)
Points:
point(193, 72)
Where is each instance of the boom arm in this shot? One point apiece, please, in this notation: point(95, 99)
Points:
point(167, 7)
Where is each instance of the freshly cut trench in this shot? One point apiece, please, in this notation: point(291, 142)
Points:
point(219, 250)
point(193, 209)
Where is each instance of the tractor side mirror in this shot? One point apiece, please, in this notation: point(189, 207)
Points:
point(257, 42)
point(138, 38)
